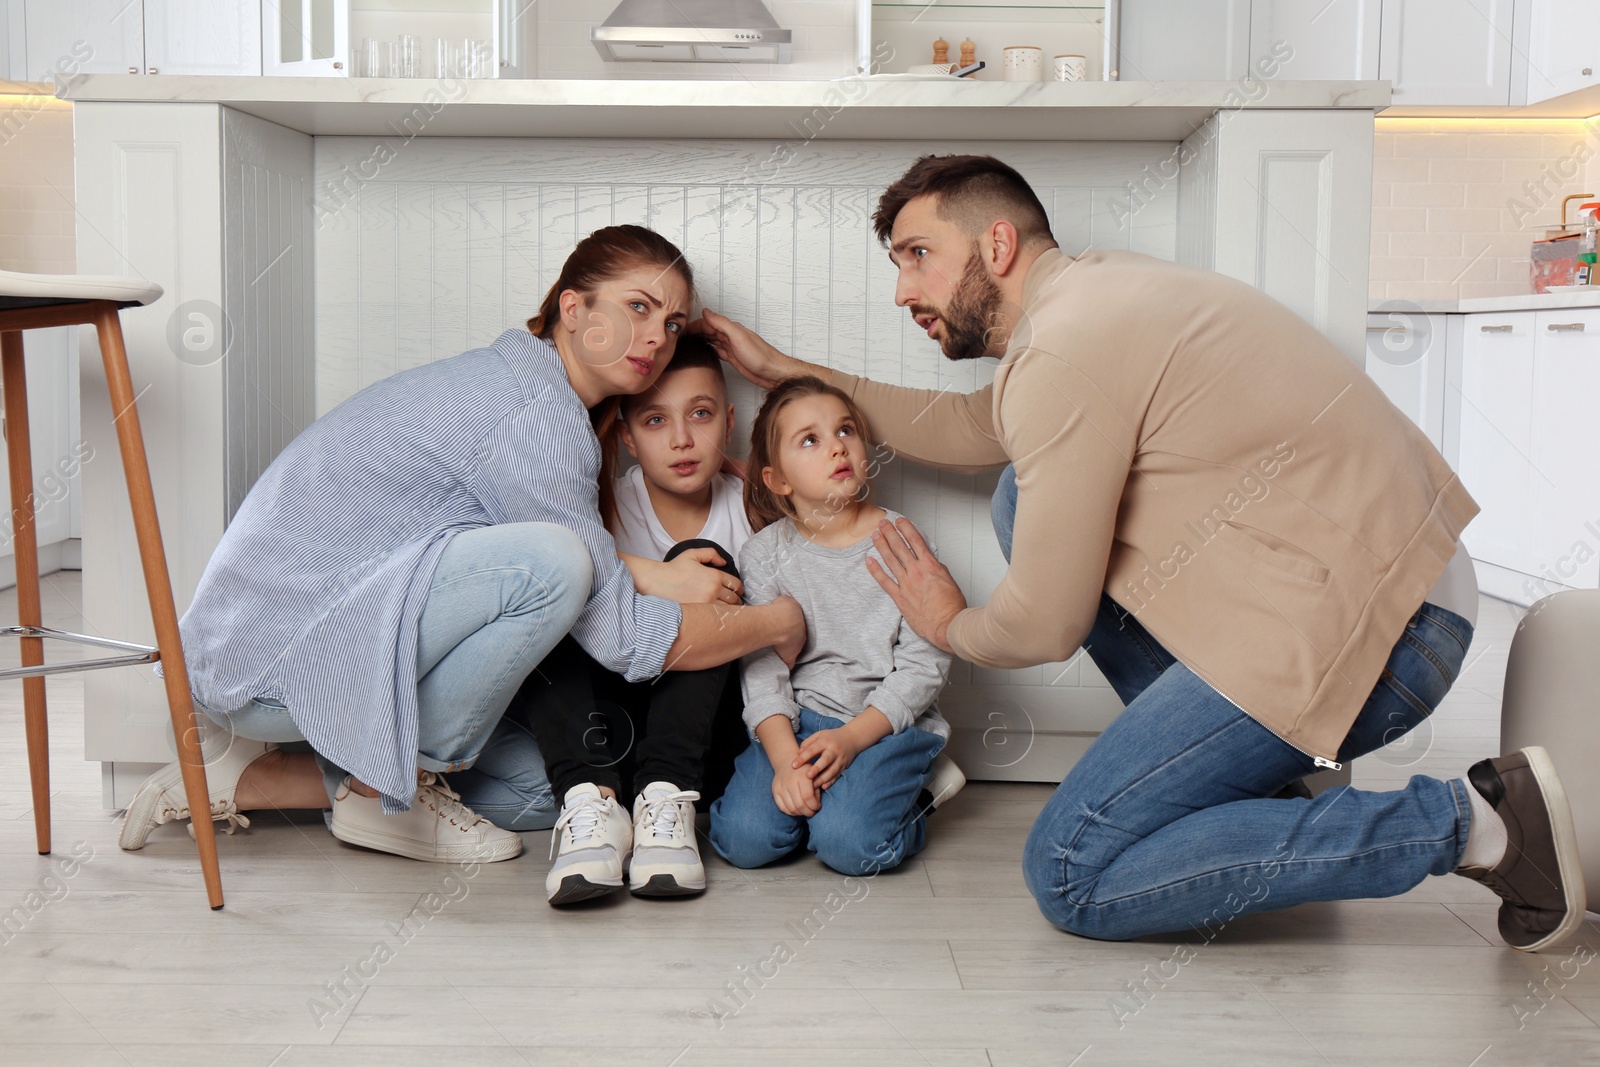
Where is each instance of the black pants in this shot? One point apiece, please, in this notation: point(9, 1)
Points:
point(684, 727)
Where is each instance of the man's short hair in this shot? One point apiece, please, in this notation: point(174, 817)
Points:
point(971, 191)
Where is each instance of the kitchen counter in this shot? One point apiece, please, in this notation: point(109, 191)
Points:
point(1521, 302)
point(324, 233)
point(869, 108)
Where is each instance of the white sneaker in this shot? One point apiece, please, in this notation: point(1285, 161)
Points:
point(666, 854)
point(161, 798)
point(945, 780)
point(594, 841)
point(437, 829)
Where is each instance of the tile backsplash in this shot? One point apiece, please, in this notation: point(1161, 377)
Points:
point(1456, 203)
point(37, 224)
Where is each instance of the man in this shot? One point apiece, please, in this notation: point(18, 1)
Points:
point(1257, 549)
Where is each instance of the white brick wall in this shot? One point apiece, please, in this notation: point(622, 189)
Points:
point(1457, 203)
point(37, 224)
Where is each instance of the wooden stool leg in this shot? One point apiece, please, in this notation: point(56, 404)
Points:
point(158, 584)
point(25, 550)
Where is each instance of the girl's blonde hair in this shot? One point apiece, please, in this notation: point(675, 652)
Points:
point(762, 506)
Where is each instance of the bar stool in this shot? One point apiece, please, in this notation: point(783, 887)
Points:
point(38, 301)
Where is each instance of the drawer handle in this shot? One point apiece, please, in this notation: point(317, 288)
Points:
point(1386, 329)
point(1570, 327)
point(1495, 329)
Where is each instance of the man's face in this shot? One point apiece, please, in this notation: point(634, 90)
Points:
point(944, 281)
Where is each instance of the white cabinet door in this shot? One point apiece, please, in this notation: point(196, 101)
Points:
point(1406, 357)
point(202, 37)
point(1563, 47)
point(83, 37)
point(1566, 447)
point(1184, 40)
point(1447, 51)
point(1497, 437)
point(1325, 40)
point(305, 37)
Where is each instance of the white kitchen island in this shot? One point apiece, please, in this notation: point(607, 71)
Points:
point(315, 235)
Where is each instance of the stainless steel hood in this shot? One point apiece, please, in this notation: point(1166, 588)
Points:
point(692, 31)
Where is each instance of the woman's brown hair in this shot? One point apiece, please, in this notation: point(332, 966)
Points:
point(603, 255)
point(762, 506)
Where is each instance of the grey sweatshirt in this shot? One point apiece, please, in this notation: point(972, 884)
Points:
point(859, 650)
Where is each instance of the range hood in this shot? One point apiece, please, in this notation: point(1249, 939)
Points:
point(692, 31)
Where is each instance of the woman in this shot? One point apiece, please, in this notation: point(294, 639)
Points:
point(409, 559)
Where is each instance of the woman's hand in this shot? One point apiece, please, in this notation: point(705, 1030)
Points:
point(750, 355)
point(691, 578)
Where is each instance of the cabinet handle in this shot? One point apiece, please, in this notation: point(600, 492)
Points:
point(1495, 329)
point(133, 70)
point(1571, 327)
point(152, 70)
point(338, 65)
point(1386, 329)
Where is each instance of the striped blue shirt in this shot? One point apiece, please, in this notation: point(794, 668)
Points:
point(314, 593)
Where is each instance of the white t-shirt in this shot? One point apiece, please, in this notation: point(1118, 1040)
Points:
point(640, 533)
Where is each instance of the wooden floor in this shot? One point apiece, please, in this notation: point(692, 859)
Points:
point(328, 954)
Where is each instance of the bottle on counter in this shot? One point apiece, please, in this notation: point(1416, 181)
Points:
point(1589, 243)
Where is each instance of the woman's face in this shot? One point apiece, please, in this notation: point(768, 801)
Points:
point(622, 335)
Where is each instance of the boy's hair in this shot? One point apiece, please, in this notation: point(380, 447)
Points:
point(689, 352)
point(762, 506)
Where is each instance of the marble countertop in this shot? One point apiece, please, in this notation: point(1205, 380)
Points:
point(1587, 298)
point(871, 108)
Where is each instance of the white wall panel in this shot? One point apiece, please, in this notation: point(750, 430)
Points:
point(438, 264)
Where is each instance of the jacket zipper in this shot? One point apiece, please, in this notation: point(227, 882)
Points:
point(1320, 762)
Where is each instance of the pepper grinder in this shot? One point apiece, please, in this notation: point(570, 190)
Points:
point(941, 51)
point(969, 52)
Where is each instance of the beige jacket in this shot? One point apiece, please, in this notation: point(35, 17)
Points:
point(1205, 456)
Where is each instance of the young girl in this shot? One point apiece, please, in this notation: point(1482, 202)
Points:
point(847, 740)
point(590, 723)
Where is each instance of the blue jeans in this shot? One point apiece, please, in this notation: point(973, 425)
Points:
point(870, 819)
point(500, 599)
point(1168, 821)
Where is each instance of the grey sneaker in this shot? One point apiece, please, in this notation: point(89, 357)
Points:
point(594, 841)
point(1540, 878)
point(666, 853)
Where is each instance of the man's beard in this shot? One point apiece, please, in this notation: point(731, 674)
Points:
point(973, 312)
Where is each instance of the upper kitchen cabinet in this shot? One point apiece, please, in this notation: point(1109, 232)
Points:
point(1183, 40)
point(305, 37)
point(1563, 47)
point(1325, 40)
point(87, 37)
point(152, 37)
point(360, 38)
point(202, 37)
point(1447, 51)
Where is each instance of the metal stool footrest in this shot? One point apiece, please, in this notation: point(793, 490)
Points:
point(145, 653)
